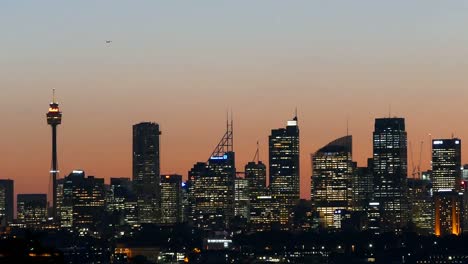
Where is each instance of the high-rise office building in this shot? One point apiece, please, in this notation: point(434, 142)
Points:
point(146, 171)
point(171, 199)
point(261, 213)
point(446, 185)
point(390, 172)
point(284, 167)
point(121, 202)
point(421, 205)
point(32, 210)
point(332, 172)
point(446, 164)
point(54, 118)
point(83, 201)
point(362, 186)
point(242, 197)
point(6, 202)
point(212, 186)
point(264, 213)
point(255, 174)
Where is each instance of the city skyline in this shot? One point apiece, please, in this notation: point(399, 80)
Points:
point(263, 155)
point(263, 66)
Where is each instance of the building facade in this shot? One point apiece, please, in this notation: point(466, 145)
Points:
point(446, 185)
point(171, 199)
point(284, 167)
point(390, 172)
point(83, 201)
point(6, 202)
point(31, 210)
point(241, 197)
point(331, 185)
point(146, 171)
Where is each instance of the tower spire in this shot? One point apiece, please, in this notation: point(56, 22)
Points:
point(226, 144)
point(54, 118)
point(257, 154)
point(347, 126)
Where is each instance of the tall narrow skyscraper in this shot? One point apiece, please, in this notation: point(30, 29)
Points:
point(54, 118)
point(390, 172)
point(446, 186)
point(332, 171)
point(284, 167)
point(146, 171)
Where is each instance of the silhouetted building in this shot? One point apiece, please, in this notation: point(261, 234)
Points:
point(264, 214)
point(332, 171)
point(32, 210)
point(212, 190)
point(121, 202)
point(6, 202)
point(241, 197)
point(255, 174)
point(446, 180)
point(390, 172)
point(421, 205)
point(83, 201)
point(54, 118)
point(341, 218)
point(186, 201)
point(362, 186)
point(284, 167)
point(171, 199)
point(146, 171)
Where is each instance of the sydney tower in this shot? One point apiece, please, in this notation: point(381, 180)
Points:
point(54, 118)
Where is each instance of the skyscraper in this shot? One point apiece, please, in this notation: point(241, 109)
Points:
point(32, 209)
point(6, 202)
point(242, 198)
point(212, 190)
point(421, 205)
point(446, 185)
point(332, 171)
point(362, 186)
point(54, 118)
point(146, 171)
point(284, 167)
point(83, 201)
point(121, 202)
point(171, 199)
point(261, 215)
point(446, 164)
point(390, 172)
point(255, 174)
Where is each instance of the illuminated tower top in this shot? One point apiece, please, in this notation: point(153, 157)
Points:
point(54, 116)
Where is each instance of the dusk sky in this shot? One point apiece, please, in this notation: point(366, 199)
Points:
point(182, 64)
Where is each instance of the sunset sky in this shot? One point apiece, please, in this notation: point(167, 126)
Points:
point(182, 64)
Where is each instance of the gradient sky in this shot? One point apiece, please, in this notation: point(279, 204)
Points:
point(183, 63)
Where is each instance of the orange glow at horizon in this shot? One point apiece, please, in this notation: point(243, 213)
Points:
point(176, 67)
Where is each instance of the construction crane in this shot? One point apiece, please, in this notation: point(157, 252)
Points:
point(416, 169)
